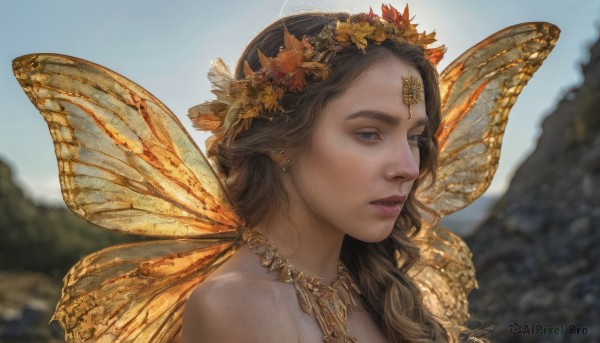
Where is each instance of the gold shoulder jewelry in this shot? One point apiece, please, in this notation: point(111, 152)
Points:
point(329, 303)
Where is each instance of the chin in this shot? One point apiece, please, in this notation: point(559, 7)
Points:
point(375, 235)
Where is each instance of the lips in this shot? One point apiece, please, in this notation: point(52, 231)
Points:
point(391, 200)
point(389, 207)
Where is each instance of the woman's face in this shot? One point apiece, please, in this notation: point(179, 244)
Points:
point(364, 157)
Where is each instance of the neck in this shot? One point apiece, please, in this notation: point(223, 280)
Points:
point(309, 244)
point(329, 303)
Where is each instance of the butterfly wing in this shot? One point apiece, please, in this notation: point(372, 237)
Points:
point(445, 275)
point(127, 164)
point(478, 90)
point(136, 292)
point(125, 161)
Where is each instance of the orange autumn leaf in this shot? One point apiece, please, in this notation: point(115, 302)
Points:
point(207, 122)
point(391, 14)
point(405, 15)
point(297, 81)
point(371, 15)
point(290, 42)
point(248, 72)
point(291, 57)
point(266, 63)
point(435, 55)
point(289, 61)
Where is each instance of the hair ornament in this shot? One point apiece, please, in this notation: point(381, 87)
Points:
point(412, 87)
point(258, 94)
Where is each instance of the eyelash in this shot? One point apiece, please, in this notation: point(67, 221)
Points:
point(418, 138)
point(368, 136)
point(363, 135)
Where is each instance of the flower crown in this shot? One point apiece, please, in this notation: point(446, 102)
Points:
point(258, 94)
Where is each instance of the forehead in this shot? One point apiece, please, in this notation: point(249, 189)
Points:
point(379, 88)
point(385, 75)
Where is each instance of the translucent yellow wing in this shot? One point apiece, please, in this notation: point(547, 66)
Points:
point(127, 164)
point(478, 90)
point(136, 292)
point(445, 275)
point(125, 161)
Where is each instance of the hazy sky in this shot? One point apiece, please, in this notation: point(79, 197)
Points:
point(167, 46)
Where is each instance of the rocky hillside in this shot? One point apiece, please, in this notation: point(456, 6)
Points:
point(38, 245)
point(537, 256)
point(42, 238)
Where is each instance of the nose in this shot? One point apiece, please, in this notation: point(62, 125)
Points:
point(403, 163)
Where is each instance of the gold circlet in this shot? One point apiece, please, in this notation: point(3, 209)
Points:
point(330, 304)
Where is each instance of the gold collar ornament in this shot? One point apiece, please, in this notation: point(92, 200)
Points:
point(330, 304)
point(258, 94)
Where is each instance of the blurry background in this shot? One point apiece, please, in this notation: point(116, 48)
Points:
point(533, 254)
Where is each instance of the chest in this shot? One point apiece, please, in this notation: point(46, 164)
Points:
point(364, 329)
point(360, 324)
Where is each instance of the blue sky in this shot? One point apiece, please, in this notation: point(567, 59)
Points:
point(167, 47)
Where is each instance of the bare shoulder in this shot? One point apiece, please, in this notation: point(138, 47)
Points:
point(237, 305)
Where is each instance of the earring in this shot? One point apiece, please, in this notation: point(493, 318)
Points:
point(283, 162)
point(285, 165)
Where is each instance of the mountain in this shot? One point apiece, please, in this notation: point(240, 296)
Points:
point(537, 254)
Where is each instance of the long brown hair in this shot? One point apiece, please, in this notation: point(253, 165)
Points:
point(391, 297)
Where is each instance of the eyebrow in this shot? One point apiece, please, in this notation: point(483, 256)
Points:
point(384, 117)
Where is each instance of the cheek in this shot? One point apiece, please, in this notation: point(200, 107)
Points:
point(336, 167)
point(417, 157)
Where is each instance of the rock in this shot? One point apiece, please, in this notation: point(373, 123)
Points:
point(536, 299)
point(590, 185)
point(524, 222)
point(21, 325)
point(27, 300)
point(580, 226)
point(537, 255)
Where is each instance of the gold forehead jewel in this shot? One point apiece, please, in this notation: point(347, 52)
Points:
point(412, 87)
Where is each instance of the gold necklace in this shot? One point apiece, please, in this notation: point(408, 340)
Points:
point(329, 303)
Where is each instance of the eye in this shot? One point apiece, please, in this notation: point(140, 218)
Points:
point(368, 136)
point(417, 139)
point(414, 138)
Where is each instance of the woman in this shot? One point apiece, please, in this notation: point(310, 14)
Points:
point(327, 188)
point(322, 138)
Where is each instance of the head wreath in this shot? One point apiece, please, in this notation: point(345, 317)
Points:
point(258, 94)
